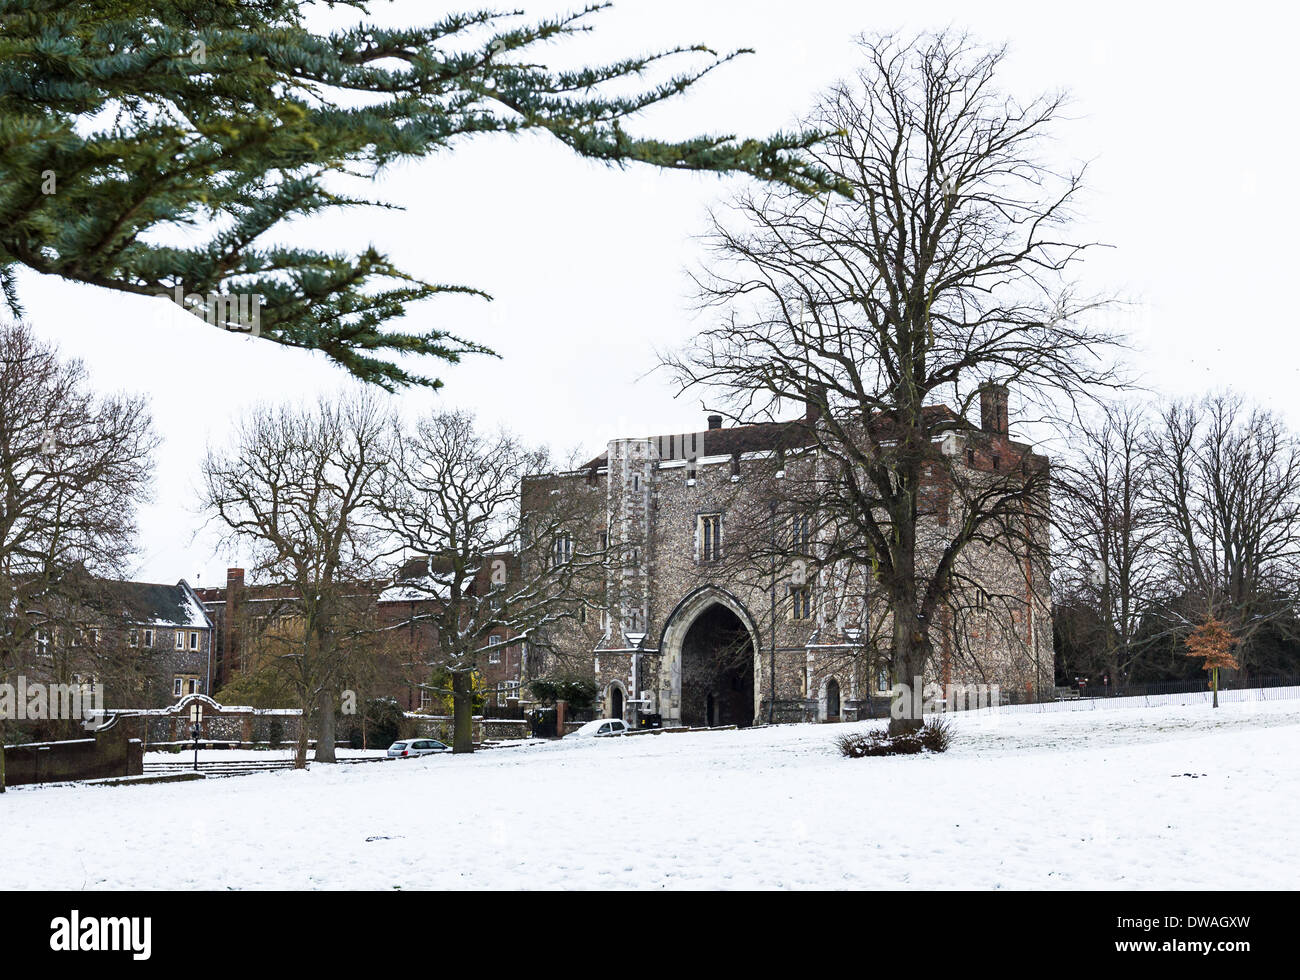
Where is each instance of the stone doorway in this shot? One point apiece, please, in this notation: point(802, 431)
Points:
point(832, 700)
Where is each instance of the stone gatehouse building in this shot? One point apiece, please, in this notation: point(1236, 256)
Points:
point(681, 632)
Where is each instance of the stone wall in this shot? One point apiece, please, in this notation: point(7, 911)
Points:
point(239, 725)
point(109, 752)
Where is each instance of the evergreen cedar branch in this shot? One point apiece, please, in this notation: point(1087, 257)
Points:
point(229, 118)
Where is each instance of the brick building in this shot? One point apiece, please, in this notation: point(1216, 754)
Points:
point(398, 636)
point(693, 638)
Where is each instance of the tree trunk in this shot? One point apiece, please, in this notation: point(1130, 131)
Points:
point(2, 755)
point(1215, 678)
point(462, 698)
point(326, 737)
point(911, 653)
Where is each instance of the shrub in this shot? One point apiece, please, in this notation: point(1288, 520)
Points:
point(578, 691)
point(934, 736)
point(276, 735)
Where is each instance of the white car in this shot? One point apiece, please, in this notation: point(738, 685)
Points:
point(602, 728)
point(416, 746)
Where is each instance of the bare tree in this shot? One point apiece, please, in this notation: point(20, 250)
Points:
point(453, 498)
point(945, 270)
point(299, 486)
point(74, 465)
point(1110, 531)
point(1227, 488)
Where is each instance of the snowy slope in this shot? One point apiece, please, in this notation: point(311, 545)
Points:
point(1070, 800)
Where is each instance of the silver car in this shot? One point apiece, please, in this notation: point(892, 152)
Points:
point(416, 746)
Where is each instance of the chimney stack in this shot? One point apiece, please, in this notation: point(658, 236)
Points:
point(715, 421)
point(993, 409)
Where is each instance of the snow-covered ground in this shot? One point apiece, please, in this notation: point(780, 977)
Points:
point(1175, 797)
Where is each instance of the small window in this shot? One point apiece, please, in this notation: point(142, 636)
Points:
point(148, 639)
point(636, 483)
point(800, 534)
point(177, 685)
point(801, 602)
point(710, 537)
point(194, 686)
point(604, 540)
point(194, 641)
point(180, 640)
point(133, 638)
point(882, 681)
point(494, 651)
point(563, 549)
point(42, 643)
point(970, 457)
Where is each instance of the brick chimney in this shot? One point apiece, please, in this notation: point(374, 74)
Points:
point(230, 651)
point(993, 409)
point(715, 422)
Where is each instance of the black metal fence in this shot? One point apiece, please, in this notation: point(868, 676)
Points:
point(1195, 686)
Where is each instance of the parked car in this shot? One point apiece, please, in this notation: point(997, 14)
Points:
point(416, 746)
point(602, 728)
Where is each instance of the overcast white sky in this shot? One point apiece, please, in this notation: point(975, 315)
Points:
point(1187, 113)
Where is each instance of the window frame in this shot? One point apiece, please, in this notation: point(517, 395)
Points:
point(801, 613)
point(709, 537)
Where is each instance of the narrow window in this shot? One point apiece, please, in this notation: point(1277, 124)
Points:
point(180, 640)
point(148, 639)
point(563, 549)
point(801, 602)
point(133, 638)
point(710, 537)
point(801, 534)
point(176, 686)
point(194, 641)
